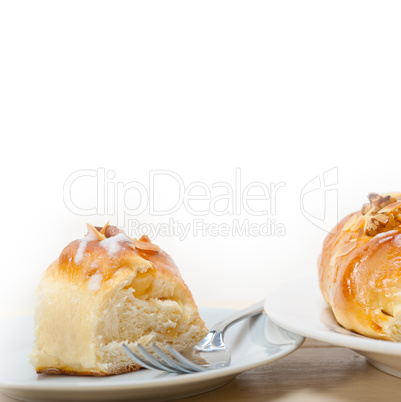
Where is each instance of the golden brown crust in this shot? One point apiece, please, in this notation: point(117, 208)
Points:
point(68, 371)
point(126, 256)
point(360, 272)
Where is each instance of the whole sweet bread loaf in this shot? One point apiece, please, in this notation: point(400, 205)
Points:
point(360, 269)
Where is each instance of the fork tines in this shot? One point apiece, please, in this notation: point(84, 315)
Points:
point(163, 361)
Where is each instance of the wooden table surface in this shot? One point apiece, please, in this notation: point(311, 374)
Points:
point(315, 372)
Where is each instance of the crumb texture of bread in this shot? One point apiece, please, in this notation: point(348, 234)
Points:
point(103, 291)
point(360, 269)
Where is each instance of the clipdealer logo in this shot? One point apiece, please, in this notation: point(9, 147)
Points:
point(252, 206)
point(321, 191)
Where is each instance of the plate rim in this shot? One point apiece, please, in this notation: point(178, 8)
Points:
point(310, 286)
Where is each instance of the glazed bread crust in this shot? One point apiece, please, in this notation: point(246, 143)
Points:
point(360, 270)
point(103, 291)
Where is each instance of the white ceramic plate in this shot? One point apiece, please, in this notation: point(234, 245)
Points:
point(300, 307)
point(254, 342)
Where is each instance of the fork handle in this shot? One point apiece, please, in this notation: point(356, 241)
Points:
point(250, 311)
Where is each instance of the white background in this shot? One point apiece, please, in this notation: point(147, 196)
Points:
point(285, 91)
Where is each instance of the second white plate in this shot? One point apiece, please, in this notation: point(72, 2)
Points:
point(299, 307)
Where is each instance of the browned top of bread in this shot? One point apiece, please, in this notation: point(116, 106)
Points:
point(107, 250)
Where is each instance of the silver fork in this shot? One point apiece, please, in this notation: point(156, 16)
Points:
point(211, 349)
